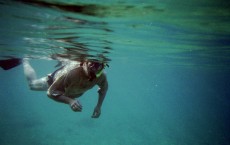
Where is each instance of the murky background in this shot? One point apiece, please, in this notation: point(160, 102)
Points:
point(168, 76)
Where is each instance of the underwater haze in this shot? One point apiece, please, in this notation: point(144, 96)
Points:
point(168, 78)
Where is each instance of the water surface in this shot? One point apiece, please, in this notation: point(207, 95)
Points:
point(168, 76)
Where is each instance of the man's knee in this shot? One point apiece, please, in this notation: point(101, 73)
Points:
point(32, 87)
point(38, 87)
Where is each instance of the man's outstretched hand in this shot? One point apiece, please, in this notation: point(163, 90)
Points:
point(77, 107)
point(96, 112)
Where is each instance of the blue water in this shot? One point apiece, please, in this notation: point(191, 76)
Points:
point(168, 76)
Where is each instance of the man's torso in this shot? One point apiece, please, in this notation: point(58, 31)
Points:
point(73, 80)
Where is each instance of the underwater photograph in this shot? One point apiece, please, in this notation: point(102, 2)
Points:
point(114, 72)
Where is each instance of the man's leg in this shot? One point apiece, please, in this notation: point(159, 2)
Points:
point(34, 83)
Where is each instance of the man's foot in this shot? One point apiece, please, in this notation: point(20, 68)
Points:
point(10, 63)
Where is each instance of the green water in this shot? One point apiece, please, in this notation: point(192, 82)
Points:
point(168, 76)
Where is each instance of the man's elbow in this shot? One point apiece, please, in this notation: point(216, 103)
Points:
point(49, 95)
point(102, 91)
point(54, 94)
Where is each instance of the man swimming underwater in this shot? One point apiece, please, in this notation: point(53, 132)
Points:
point(70, 82)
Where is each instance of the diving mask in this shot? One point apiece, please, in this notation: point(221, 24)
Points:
point(96, 69)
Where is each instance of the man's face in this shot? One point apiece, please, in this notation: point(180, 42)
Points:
point(94, 68)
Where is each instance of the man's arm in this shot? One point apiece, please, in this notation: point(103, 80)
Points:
point(54, 92)
point(103, 87)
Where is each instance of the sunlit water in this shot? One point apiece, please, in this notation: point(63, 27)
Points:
point(168, 76)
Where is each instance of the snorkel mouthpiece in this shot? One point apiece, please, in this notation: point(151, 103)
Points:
point(99, 73)
point(96, 70)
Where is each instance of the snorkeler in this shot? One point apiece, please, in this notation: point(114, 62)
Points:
point(70, 82)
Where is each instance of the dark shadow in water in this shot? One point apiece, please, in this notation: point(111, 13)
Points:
point(79, 47)
point(80, 51)
point(94, 9)
point(86, 9)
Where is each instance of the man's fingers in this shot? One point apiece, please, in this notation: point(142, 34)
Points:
point(96, 114)
point(79, 104)
point(76, 107)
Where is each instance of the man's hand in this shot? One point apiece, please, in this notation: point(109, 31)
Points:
point(76, 106)
point(96, 112)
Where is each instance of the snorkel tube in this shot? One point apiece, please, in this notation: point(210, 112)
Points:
point(97, 73)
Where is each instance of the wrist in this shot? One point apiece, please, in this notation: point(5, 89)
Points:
point(71, 101)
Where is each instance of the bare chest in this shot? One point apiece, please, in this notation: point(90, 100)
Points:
point(79, 87)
